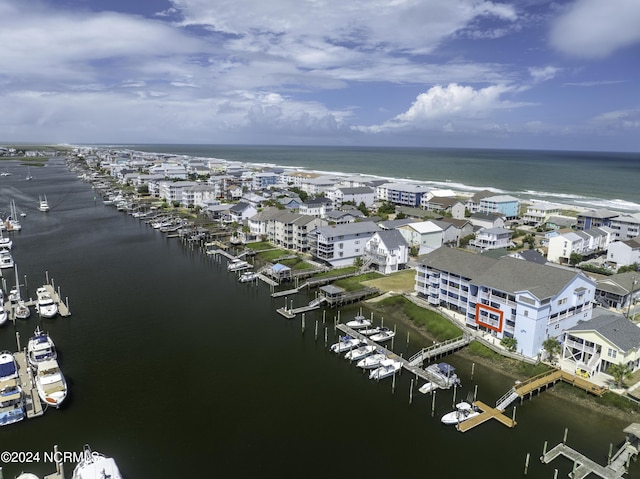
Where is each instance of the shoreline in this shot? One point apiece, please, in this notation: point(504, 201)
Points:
point(508, 367)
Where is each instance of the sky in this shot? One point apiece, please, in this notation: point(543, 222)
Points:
point(531, 74)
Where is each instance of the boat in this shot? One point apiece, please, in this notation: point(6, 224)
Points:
point(50, 383)
point(444, 374)
point(8, 366)
point(12, 223)
point(40, 348)
point(371, 362)
point(11, 402)
point(385, 334)
point(45, 306)
point(370, 331)
point(359, 322)
point(28, 177)
point(6, 260)
point(388, 367)
point(3, 312)
point(463, 412)
point(44, 204)
point(427, 387)
point(360, 352)
point(248, 276)
point(238, 265)
point(20, 308)
point(95, 465)
point(346, 343)
point(5, 242)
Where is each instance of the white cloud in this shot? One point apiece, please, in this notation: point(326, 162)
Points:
point(540, 74)
point(450, 105)
point(597, 28)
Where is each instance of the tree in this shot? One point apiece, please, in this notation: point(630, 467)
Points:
point(620, 373)
point(510, 344)
point(552, 347)
point(575, 258)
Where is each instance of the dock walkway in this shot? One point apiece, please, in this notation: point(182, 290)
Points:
point(583, 466)
point(439, 349)
point(487, 413)
point(33, 406)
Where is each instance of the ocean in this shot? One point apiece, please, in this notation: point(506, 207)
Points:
point(580, 179)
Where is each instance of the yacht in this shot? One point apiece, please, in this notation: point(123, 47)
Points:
point(388, 367)
point(40, 348)
point(248, 276)
point(95, 465)
point(360, 352)
point(5, 243)
point(45, 306)
point(6, 260)
point(3, 312)
point(50, 383)
point(444, 373)
point(463, 411)
point(371, 362)
point(8, 366)
point(359, 322)
point(238, 265)
point(385, 334)
point(370, 331)
point(44, 204)
point(11, 402)
point(346, 343)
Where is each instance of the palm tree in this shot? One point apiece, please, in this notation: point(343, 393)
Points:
point(552, 347)
point(620, 373)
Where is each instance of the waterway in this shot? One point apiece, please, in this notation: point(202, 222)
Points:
point(175, 368)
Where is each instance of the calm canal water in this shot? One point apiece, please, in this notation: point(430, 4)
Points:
point(175, 368)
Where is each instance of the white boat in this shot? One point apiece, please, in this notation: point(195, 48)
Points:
point(346, 343)
point(44, 204)
point(50, 383)
point(28, 177)
point(444, 373)
point(359, 322)
point(427, 387)
point(11, 402)
point(248, 276)
point(463, 411)
point(6, 260)
point(20, 308)
point(360, 352)
point(96, 466)
point(45, 306)
point(5, 243)
point(385, 334)
point(371, 362)
point(12, 223)
point(238, 265)
point(388, 367)
point(370, 331)
point(40, 348)
point(3, 312)
point(8, 366)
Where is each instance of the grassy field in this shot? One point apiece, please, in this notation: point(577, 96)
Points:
point(397, 282)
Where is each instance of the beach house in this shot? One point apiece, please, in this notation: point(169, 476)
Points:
point(340, 245)
point(386, 251)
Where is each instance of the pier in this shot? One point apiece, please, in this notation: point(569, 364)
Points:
point(439, 349)
point(487, 413)
point(583, 466)
point(32, 406)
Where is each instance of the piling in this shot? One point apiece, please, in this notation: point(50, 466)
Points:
point(393, 384)
point(473, 367)
point(526, 464)
point(433, 403)
point(316, 331)
point(411, 392)
point(18, 340)
point(566, 431)
point(302, 323)
point(475, 393)
point(455, 388)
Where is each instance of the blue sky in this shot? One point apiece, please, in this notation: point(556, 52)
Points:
point(444, 73)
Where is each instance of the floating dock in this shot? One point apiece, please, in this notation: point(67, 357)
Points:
point(32, 406)
point(487, 412)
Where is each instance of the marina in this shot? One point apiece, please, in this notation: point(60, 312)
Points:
point(304, 386)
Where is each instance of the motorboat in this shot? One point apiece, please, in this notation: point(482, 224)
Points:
point(371, 362)
point(346, 343)
point(359, 322)
point(5, 242)
point(385, 334)
point(388, 367)
point(248, 276)
point(43, 205)
point(427, 387)
point(95, 465)
point(20, 308)
point(40, 348)
point(3, 312)
point(238, 265)
point(8, 366)
point(444, 374)
point(360, 352)
point(45, 306)
point(6, 260)
point(50, 383)
point(370, 331)
point(463, 412)
point(11, 402)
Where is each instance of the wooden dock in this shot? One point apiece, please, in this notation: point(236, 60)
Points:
point(439, 349)
point(33, 406)
point(583, 466)
point(63, 309)
point(487, 413)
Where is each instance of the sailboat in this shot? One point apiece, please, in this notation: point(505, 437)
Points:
point(20, 308)
point(12, 223)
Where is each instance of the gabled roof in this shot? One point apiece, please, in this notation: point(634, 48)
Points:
point(615, 328)
point(392, 239)
point(600, 213)
point(445, 201)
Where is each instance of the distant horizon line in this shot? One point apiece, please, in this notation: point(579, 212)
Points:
point(364, 147)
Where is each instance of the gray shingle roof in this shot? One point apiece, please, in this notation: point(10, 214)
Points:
point(615, 328)
point(392, 239)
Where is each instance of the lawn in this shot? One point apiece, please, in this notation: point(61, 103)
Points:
point(397, 282)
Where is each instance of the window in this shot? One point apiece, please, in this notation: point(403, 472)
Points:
point(612, 353)
point(562, 301)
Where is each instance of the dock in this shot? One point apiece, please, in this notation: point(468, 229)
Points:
point(439, 349)
point(487, 413)
point(63, 309)
point(33, 406)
